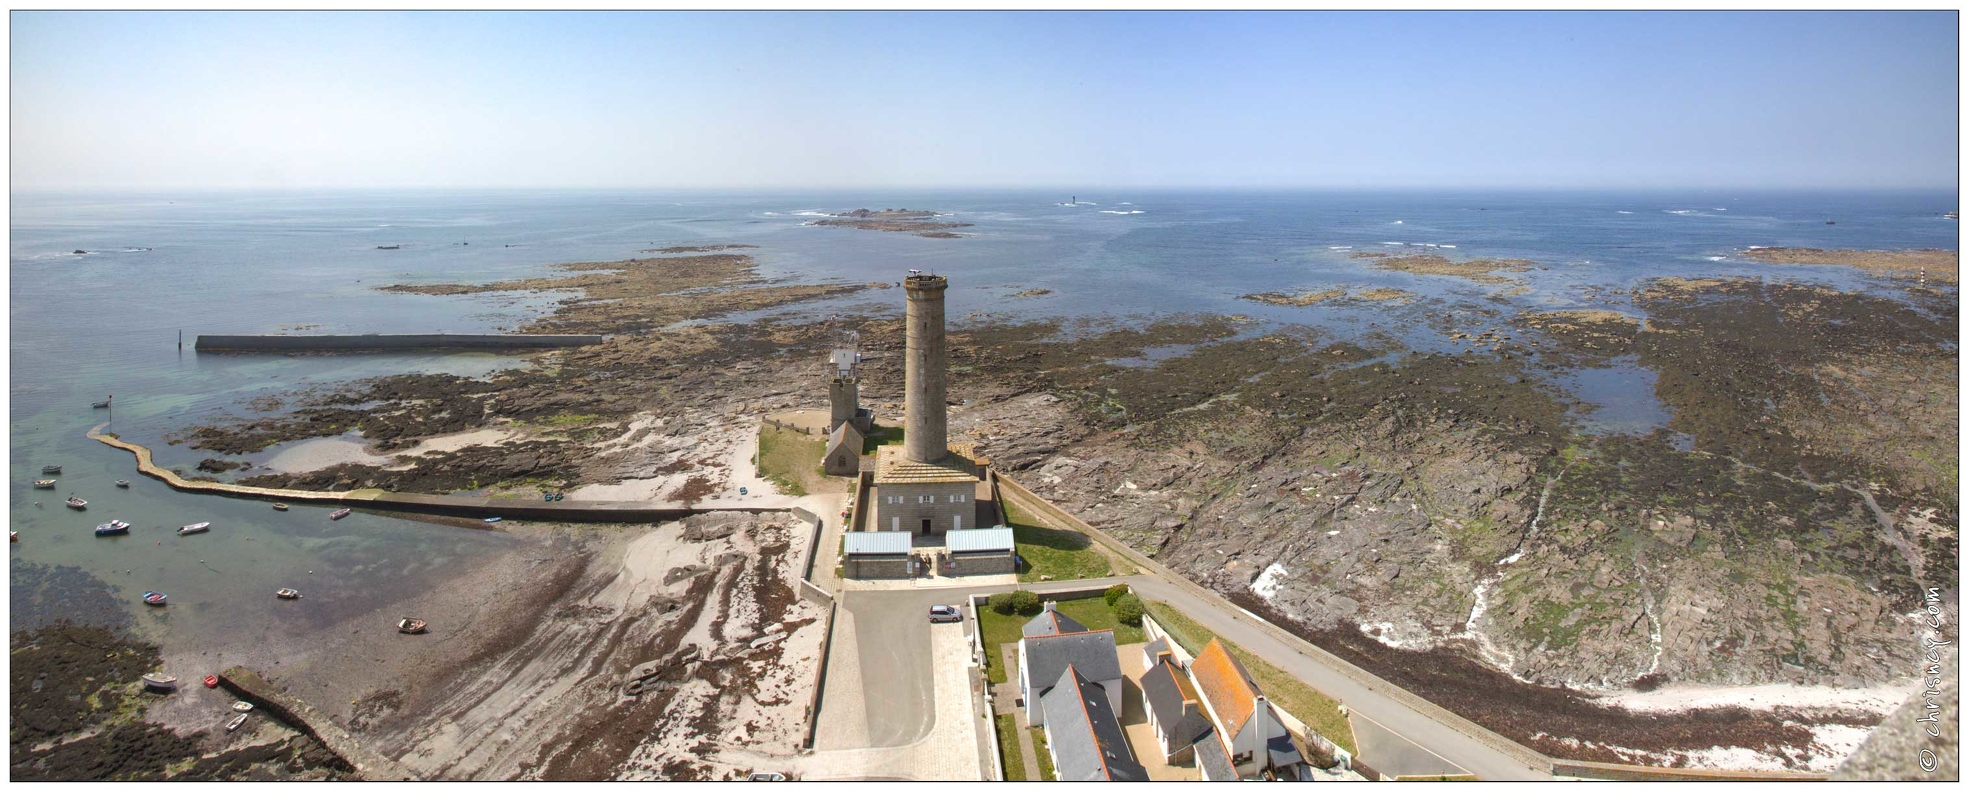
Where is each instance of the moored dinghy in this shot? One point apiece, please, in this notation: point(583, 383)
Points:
point(44, 483)
point(287, 593)
point(76, 503)
point(410, 626)
point(236, 722)
point(280, 507)
point(154, 598)
point(338, 514)
point(194, 528)
point(113, 528)
point(122, 483)
point(160, 681)
point(51, 468)
point(242, 706)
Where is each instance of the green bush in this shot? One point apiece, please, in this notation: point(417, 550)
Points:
point(1128, 610)
point(1010, 602)
point(1114, 592)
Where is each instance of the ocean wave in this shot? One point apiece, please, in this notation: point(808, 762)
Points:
point(1756, 247)
point(1397, 222)
point(1683, 211)
point(1447, 246)
point(1339, 247)
point(1129, 211)
point(1717, 258)
point(1396, 244)
point(811, 214)
point(1721, 209)
point(1622, 211)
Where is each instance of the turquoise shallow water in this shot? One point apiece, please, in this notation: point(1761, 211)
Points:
point(106, 322)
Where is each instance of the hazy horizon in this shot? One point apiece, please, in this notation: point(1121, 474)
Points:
point(869, 101)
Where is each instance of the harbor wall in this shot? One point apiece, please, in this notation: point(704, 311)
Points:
point(286, 343)
point(269, 700)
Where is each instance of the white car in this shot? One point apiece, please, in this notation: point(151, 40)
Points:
point(945, 613)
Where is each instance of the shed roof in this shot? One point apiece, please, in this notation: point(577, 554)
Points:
point(1214, 760)
point(892, 466)
point(979, 540)
point(1047, 656)
point(877, 542)
point(845, 434)
point(1226, 685)
point(1086, 734)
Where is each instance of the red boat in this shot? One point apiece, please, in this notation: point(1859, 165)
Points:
point(211, 680)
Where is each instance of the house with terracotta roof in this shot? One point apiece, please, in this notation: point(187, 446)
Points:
point(1249, 726)
point(1083, 732)
point(1052, 642)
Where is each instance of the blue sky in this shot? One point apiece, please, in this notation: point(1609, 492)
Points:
point(815, 100)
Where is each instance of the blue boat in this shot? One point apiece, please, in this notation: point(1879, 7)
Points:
point(113, 528)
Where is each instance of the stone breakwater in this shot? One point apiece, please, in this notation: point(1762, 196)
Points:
point(323, 343)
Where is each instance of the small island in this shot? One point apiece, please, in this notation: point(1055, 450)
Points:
point(917, 221)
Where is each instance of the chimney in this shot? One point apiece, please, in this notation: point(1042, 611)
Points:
point(1049, 606)
point(924, 433)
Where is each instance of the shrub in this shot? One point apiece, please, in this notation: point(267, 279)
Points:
point(1010, 602)
point(1128, 610)
point(1114, 592)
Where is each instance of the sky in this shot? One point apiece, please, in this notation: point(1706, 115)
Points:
point(798, 100)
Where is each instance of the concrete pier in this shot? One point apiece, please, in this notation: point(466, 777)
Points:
point(925, 437)
point(293, 343)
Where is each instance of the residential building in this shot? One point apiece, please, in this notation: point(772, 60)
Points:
point(1174, 711)
point(1044, 654)
point(1239, 713)
point(843, 456)
point(1083, 732)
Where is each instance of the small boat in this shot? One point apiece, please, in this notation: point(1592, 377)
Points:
point(211, 680)
point(113, 528)
point(99, 405)
point(122, 483)
point(338, 514)
point(193, 528)
point(154, 598)
point(493, 519)
point(161, 681)
point(287, 594)
point(280, 507)
point(51, 468)
point(236, 722)
point(13, 536)
point(76, 503)
point(242, 706)
point(44, 483)
point(410, 626)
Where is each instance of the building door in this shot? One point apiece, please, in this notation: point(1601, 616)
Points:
point(926, 526)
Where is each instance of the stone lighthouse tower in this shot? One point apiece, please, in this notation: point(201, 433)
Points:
point(926, 487)
point(924, 436)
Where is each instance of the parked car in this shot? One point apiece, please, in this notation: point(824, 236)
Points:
point(759, 776)
point(945, 613)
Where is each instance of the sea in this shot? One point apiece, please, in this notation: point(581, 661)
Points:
point(103, 286)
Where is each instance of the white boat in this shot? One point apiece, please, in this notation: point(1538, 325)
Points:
point(242, 706)
point(194, 528)
point(338, 514)
point(236, 722)
point(122, 483)
point(76, 503)
point(410, 626)
point(287, 593)
point(161, 681)
point(44, 483)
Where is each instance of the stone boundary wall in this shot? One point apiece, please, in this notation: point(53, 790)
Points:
point(786, 426)
point(1530, 757)
point(975, 601)
point(820, 679)
point(1605, 771)
point(291, 343)
point(266, 698)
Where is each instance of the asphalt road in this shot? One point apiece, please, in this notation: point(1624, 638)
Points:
point(895, 656)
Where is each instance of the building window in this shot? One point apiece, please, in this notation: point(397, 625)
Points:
point(1241, 758)
point(926, 499)
point(956, 499)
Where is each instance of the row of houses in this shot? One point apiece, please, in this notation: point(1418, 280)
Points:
point(1209, 712)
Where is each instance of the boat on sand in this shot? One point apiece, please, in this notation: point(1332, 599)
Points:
point(161, 681)
point(410, 626)
point(154, 598)
point(287, 593)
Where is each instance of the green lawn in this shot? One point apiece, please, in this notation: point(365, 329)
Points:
point(1045, 757)
point(1051, 553)
point(881, 436)
point(1008, 744)
point(790, 460)
point(999, 629)
point(1310, 706)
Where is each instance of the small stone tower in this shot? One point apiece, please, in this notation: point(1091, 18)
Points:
point(843, 390)
point(925, 438)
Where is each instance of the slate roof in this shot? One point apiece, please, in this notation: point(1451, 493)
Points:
point(1084, 733)
point(1165, 689)
point(1226, 685)
point(979, 540)
point(1214, 760)
point(1283, 752)
point(1052, 622)
point(846, 434)
point(877, 542)
point(1047, 656)
point(893, 467)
